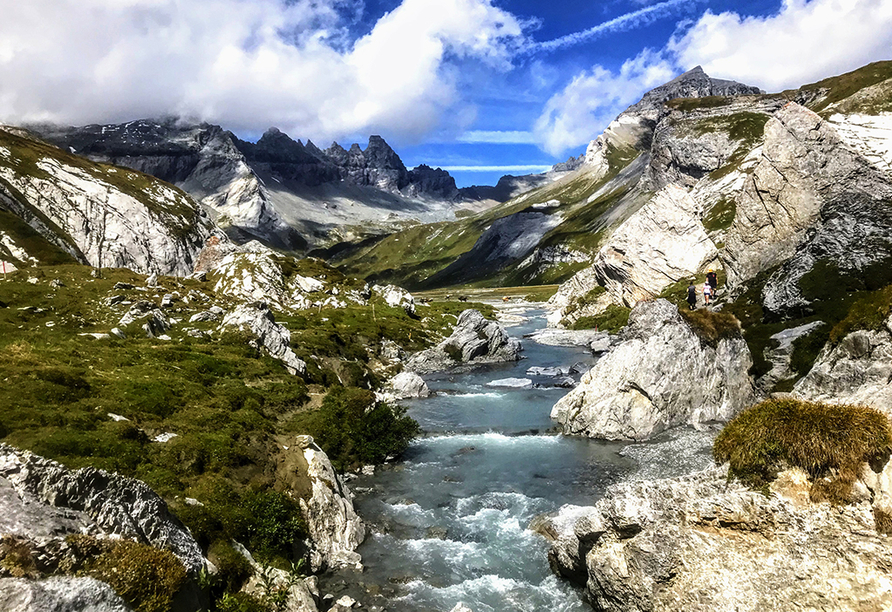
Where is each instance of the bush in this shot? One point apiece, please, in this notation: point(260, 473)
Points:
point(822, 439)
point(145, 577)
point(354, 430)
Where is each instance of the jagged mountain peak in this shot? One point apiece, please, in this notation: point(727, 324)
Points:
point(694, 83)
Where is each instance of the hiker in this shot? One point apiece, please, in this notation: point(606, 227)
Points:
point(692, 295)
point(707, 292)
point(713, 281)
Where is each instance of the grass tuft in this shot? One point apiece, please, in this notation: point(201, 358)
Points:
point(824, 440)
point(712, 327)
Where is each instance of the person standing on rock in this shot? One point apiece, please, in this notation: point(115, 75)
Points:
point(713, 281)
point(692, 295)
point(707, 292)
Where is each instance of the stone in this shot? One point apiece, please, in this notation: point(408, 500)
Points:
point(702, 542)
point(474, 340)
point(511, 383)
point(59, 594)
point(659, 376)
point(460, 607)
point(405, 385)
point(155, 321)
point(335, 528)
point(257, 319)
point(396, 297)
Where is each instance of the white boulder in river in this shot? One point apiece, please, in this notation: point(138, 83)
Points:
point(661, 375)
point(475, 339)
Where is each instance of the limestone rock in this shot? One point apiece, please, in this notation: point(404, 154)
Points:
point(396, 297)
point(335, 528)
point(256, 319)
point(59, 594)
point(155, 321)
point(659, 376)
point(856, 371)
point(41, 499)
point(660, 244)
point(405, 385)
point(474, 340)
point(700, 542)
point(303, 593)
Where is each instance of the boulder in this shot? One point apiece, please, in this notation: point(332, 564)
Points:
point(474, 340)
point(269, 336)
point(335, 528)
point(858, 370)
point(155, 321)
point(403, 386)
point(660, 375)
point(702, 542)
point(59, 594)
point(396, 297)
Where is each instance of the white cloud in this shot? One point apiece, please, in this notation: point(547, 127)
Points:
point(245, 63)
point(803, 42)
point(594, 98)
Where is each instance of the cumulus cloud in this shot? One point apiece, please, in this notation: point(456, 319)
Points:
point(245, 63)
point(803, 42)
point(594, 98)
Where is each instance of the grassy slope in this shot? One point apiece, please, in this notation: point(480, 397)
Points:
point(412, 255)
point(231, 407)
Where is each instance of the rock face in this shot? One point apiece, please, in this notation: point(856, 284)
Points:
point(474, 340)
point(334, 526)
point(811, 199)
point(700, 542)
point(856, 371)
point(780, 355)
point(107, 217)
point(256, 319)
point(40, 499)
point(58, 594)
point(659, 376)
point(662, 243)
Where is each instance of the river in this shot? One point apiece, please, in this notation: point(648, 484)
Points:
point(448, 523)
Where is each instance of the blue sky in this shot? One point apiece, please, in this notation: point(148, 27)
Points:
point(480, 87)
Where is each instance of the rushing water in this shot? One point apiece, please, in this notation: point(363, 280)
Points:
point(448, 524)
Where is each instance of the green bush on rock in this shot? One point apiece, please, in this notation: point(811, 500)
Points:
point(822, 439)
point(354, 430)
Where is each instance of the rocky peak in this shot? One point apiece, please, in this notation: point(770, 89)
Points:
point(380, 155)
point(694, 83)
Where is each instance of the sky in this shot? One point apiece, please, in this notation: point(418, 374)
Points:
point(481, 88)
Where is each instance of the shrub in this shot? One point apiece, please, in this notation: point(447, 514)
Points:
point(145, 577)
point(822, 439)
point(353, 429)
point(712, 327)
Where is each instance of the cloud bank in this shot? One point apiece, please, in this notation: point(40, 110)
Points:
point(242, 61)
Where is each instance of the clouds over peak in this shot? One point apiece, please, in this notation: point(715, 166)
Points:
point(805, 41)
point(595, 97)
point(245, 62)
